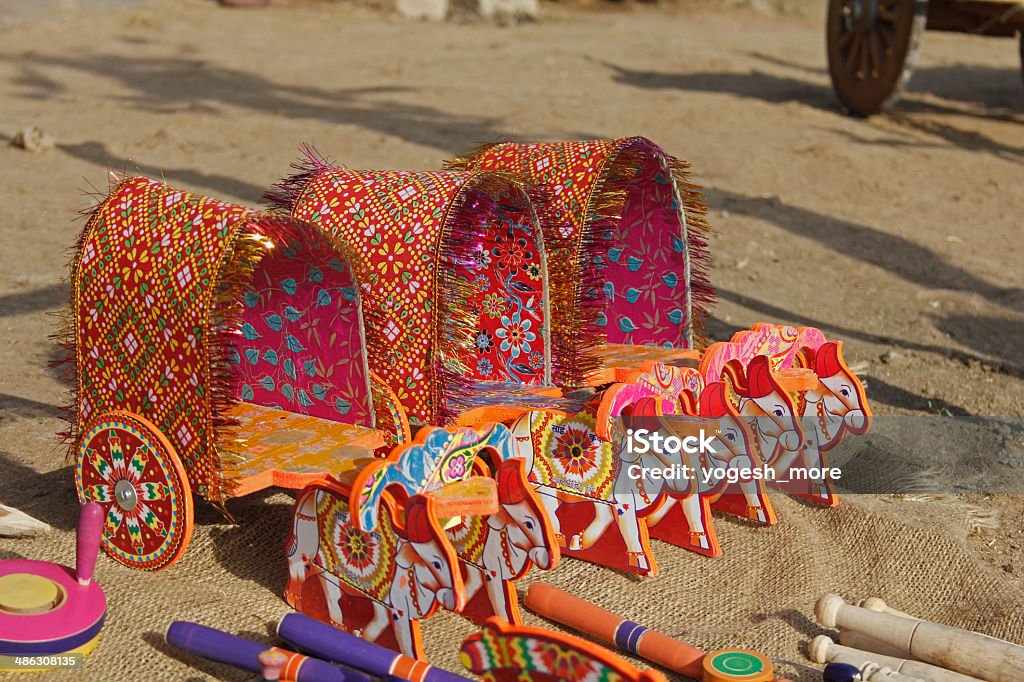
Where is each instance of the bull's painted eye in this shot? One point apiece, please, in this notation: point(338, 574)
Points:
point(845, 392)
point(529, 524)
point(730, 436)
point(778, 412)
point(437, 564)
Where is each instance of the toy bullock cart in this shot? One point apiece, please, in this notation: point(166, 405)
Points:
point(873, 44)
point(214, 350)
point(471, 320)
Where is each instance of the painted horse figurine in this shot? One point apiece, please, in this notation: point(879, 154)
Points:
point(400, 572)
point(498, 549)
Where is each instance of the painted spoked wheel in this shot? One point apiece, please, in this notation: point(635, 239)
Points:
point(127, 465)
point(872, 49)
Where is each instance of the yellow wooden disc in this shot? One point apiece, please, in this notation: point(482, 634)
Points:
point(25, 593)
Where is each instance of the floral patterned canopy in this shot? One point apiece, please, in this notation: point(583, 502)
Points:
point(183, 306)
point(629, 227)
point(453, 270)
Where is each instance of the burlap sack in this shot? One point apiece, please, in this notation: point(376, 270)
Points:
point(760, 594)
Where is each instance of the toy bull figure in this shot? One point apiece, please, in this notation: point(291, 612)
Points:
point(498, 549)
point(402, 571)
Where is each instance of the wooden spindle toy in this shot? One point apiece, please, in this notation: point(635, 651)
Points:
point(48, 609)
point(878, 604)
point(823, 650)
point(966, 652)
point(858, 640)
point(872, 672)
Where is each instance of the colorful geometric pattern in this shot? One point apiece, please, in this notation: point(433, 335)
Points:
point(419, 240)
point(165, 320)
point(507, 653)
point(630, 229)
point(577, 461)
point(130, 469)
point(434, 459)
point(363, 559)
point(468, 538)
point(144, 276)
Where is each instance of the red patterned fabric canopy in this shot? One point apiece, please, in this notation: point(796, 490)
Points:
point(183, 306)
point(453, 269)
point(629, 225)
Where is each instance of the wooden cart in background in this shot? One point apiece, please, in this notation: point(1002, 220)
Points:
point(873, 44)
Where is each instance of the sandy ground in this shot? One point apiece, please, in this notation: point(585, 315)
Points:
point(900, 234)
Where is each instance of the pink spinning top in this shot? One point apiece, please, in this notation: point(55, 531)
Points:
point(46, 608)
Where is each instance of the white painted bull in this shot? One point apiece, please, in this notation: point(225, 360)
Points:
point(498, 549)
point(405, 571)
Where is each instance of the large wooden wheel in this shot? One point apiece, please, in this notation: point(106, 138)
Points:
point(127, 465)
point(872, 49)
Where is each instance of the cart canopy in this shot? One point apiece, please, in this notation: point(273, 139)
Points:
point(628, 230)
point(453, 271)
point(183, 307)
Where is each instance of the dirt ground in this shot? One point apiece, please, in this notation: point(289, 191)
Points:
point(900, 235)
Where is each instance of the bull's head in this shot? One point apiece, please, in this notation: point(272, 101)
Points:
point(523, 519)
point(769, 405)
point(843, 392)
point(433, 570)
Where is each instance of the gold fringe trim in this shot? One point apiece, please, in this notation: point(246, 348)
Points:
point(65, 337)
point(694, 212)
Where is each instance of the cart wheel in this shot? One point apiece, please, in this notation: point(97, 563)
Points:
point(872, 50)
point(127, 465)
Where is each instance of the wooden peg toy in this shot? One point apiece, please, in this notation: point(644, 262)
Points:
point(966, 652)
point(871, 672)
point(824, 650)
point(858, 640)
point(878, 604)
point(48, 609)
point(847, 672)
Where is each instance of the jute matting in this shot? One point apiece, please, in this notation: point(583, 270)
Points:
point(759, 595)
